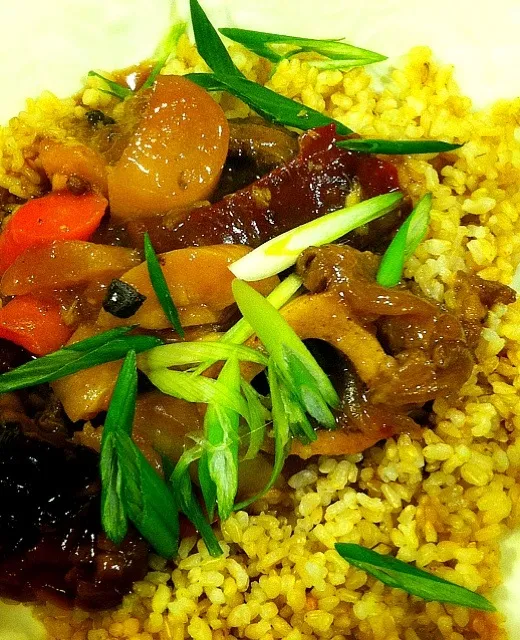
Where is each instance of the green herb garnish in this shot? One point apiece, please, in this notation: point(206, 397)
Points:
point(183, 353)
point(397, 147)
point(164, 52)
point(400, 575)
point(182, 488)
point(114, 89)
point(303, 377)
point(411, 233)
point(209, 45)
point(131, 489)
point(275, 47)
point(281, 433)
point(160, 286)
point(270, 105)
point(282, 252)
point(106, 347)
point(221, 433)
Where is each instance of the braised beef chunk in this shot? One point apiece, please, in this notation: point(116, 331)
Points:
point(51, 544)
point(314, 183)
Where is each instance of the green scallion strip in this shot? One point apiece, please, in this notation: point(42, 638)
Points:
point(209, 45)
point(256, 420)
point(282, 252)
point(131, 489)
point(160, 286)
point(197, 389)
point(397, 147)
point(164, 52)
point(182, 488)
point(207, 486)
point(182, 353)
point(106, 347)
point(267, 103)
point(242, 330)
point(281, 433)
point(265, 45)
point(305, 378)
point(114, 89)
point(400, 575)
point(411, 233)
point(221, 432)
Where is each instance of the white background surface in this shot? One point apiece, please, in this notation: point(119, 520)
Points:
point(51, 44)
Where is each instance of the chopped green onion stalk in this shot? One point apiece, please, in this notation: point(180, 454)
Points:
point(267, 103)
point(209, 45)
point(182, 353)
point(411, 233)
point(281, 433)
point(182, 488)
point(400, 575)
point(397, 147)
point(242, 330)
point(164, 52)
point(267, 45)
point(257, 417)
point(197, 389)
point(221, 432)
point(160, 286)
point(106, 347)
point(282, 252)
point(303, 375)
point(131, 489)
point(114, 89)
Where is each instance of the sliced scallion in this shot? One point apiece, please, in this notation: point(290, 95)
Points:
point(221, 432)
point(401, 575)
point(282, 252)
point(131, 489)
point(160, 286)
point(270, 105)
point(411, 233)
point(114, 89)
point(305, 378)
point(276, 47)
point(182, 487)
point(182, 353)
point(164, 52)
point(105, 347)
point(281, 433)
point(397, 147)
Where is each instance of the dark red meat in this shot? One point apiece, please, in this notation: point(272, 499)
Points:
point(314, 183)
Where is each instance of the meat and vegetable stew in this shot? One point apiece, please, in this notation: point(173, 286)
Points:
point(191, 304)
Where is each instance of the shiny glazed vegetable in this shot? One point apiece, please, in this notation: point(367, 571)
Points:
point(175, 156)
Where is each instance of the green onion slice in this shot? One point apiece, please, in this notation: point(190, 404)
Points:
point(257, 417)
point(281, 433)
point(114, 89)
point(397, 147)
point(267, 45)
point(160, 286)
point(242, 330)
point(131, 489)
point(182, 488)
point(106, 347)
point(282, 252)
point(197, 389)
point(221, 431)
point(400, 575)
point(267, 103)
point(411, 233)
point(209, 45)
point(305, 378)
point(164, 52)
point(182, 353)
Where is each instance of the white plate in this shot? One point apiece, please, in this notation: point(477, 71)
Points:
point(51, 45)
